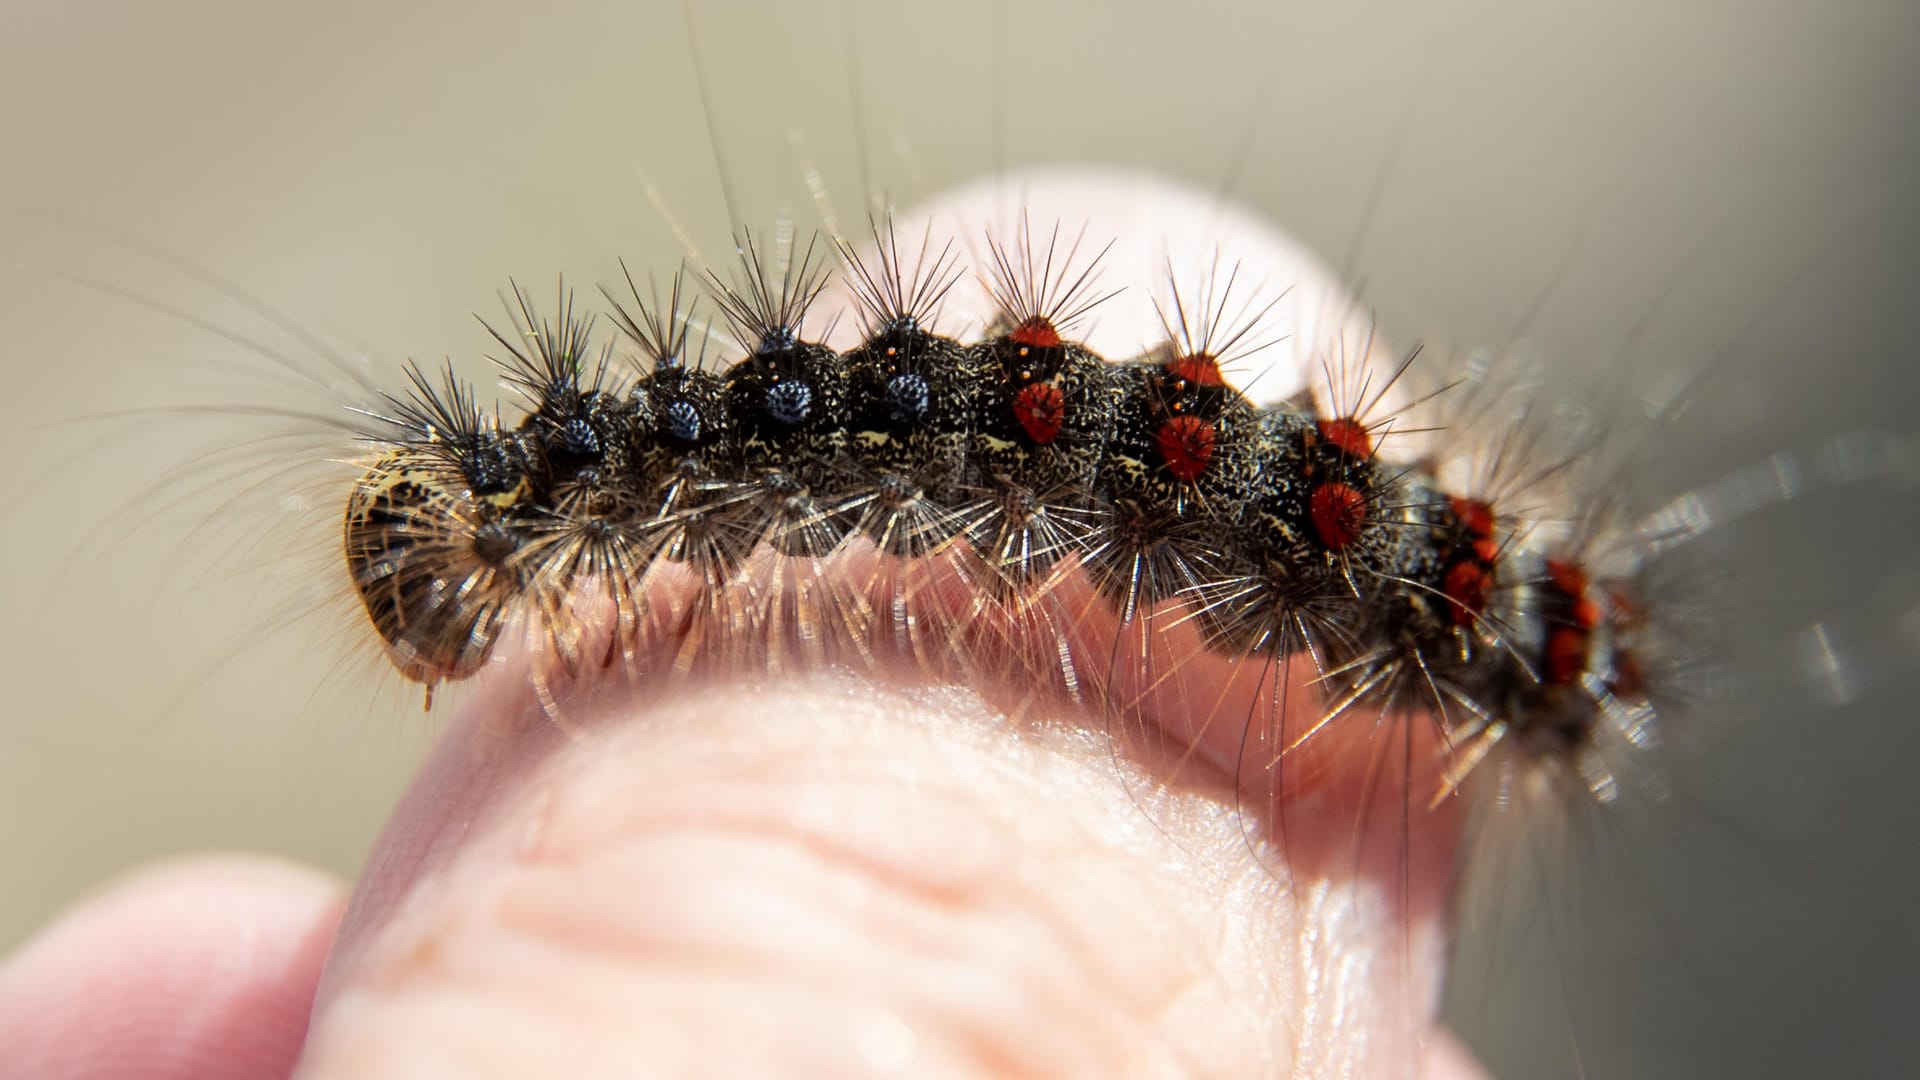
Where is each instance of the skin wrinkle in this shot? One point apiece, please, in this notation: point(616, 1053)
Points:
point(950, 904)
point(829, 840)
point(1028, 892)
point(884, 921)
point(814, 1036)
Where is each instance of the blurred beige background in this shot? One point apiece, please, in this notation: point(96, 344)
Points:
point(1739, 177)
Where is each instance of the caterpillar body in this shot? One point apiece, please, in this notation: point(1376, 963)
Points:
point(1018, 464)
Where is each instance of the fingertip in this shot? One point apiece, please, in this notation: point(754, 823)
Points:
point(200, 967)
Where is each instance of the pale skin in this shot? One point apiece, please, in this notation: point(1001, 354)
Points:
point(835, 875)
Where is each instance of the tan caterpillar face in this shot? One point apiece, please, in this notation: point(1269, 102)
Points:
point(432, 566)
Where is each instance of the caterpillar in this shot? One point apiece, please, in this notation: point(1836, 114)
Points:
point(1024, 456)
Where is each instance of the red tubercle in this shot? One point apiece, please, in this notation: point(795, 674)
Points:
point(1349, 435)
point(1041, 410)
point(1567, 645)
point(1567, 578)
point(1571, 582)
point(1475, 516)
point(1587, 613)
point(1339, 512)
point(1469, 574)
point(1186, 446)
point(1566, 655)
point(1465, 584)
point(1200, 369)
point(1037, 332)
